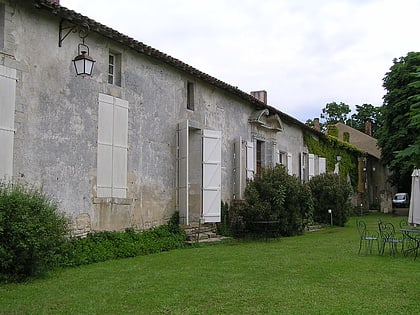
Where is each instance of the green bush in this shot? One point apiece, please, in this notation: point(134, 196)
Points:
point(31, 232)
point(331, 191)
point(273, 196)
point(102, 246)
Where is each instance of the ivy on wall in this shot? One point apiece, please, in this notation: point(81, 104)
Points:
point(330, 147)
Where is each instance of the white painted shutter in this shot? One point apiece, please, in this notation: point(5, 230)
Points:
point(289, 164)
point(105, 138)
point(250, 160)
point(239, 170)
point(183, 166)
point(311, 166)
point(112, 147)
point(277, 158)
point(7, 120)
point(322, 165)
point(212, 175)
point(120, 147)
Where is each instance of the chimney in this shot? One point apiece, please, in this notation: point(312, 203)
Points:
point(368, 128)
point(260, 95)
point(316, 124)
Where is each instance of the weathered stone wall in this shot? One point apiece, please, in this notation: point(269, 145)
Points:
point(57, 124)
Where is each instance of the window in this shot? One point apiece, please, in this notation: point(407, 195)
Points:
point(112, 147)
point(190, 95)
point(114, 69)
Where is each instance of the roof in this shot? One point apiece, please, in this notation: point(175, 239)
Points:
point(360, 140)
point(142, 48)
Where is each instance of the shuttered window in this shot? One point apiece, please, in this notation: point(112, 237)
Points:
point(112, 147)
point(7, 120)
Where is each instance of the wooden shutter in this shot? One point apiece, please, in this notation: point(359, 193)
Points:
point(322, 162)
point(120, 148)
point(239, 176)
point(311, 165)
point(183, 170)
point(289, 163)
point(250, 160)
point(212, 175)
point(112, 147)
point(7, 120)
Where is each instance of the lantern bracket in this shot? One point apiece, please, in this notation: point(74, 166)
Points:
point(66, 27)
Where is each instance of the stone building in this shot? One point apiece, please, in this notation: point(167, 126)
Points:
point(142, 137)
point(373, 187)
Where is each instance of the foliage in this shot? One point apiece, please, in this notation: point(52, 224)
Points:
point(31, 232)
point(330, 191)
point(364, 113)
point(330, 147)
point(399, 132)
point(273, 196)
point(334, 113)
point(102, 246)
point(223, 227)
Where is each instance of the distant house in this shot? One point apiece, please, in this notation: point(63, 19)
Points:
point(146, 135)
point(374, 190)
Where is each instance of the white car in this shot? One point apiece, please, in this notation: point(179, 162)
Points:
point(401, 200)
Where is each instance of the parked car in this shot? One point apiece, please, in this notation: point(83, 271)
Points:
point(401, 200)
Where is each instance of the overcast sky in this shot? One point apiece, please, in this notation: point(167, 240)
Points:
point(304, 53)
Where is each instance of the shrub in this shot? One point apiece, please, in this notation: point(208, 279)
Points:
point(273, 196)
point(330, 191)
point(31, 232)
point(102, 246)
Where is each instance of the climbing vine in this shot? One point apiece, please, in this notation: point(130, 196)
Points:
point(331, 147)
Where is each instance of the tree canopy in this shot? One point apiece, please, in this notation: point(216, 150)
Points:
point(335, 112)
point(398, 137)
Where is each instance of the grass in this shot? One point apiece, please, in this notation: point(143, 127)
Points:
point(316, 273)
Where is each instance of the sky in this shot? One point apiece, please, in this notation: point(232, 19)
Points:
point(304, 53)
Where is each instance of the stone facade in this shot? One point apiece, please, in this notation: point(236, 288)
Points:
point(126, 148)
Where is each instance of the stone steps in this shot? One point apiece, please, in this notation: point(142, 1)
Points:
point(201, 233)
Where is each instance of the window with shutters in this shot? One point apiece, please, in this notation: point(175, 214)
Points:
point(7, 120)
point(112, 147)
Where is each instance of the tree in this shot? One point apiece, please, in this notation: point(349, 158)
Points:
point(364, 113)
point(334, 113)
point(398, 137)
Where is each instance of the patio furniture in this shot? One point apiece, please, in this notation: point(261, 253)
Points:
point(366, 237)
point(411, 238)
point(388, 236)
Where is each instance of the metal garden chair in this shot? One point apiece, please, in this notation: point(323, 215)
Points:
point(366, 237)
point(388, 236)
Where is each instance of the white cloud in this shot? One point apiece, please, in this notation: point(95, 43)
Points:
point(304, 53)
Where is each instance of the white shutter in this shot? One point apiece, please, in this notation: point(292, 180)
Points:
point(112, 147)
point(289, 164)
point(212, 175)
point(277, 158)
point(322, 165)
point(104, 157)
point(239, 168)
point(7, 120)
point(120, 147)
point(311, 166)
point(250, 160)
point(183, 166)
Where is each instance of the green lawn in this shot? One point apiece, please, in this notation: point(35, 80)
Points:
point(317, 273)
